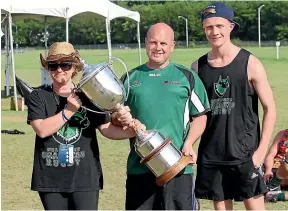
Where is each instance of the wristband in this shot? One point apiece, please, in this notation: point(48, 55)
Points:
point(64, 116)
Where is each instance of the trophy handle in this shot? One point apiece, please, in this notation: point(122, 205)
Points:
point(88, 109)
point(126, 69)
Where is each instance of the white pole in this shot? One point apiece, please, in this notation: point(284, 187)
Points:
point(277, 49)
point(139, 42)
point(67, 25)
point(277, 52)
point(13, 65)
point(7, 67)
point(187, 44)
point(259, 24)
point(186, 23)
point(67, 29)
point(108, 31)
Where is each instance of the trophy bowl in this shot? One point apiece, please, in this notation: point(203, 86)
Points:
point(101, 85)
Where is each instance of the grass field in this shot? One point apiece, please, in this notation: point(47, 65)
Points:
point(17, 150)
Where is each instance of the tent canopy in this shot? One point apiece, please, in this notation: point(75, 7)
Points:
point(19, 9)
point(66, 9)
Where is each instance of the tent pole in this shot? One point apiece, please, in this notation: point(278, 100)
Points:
point(12, 62)
point(67, 25)
point(7, 67)
point(139, 42)
point(108, 33)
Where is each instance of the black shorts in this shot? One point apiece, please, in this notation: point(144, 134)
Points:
point(142, 193)
point(70, 201)
point(227, 182)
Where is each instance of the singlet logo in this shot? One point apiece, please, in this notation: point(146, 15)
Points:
point(221, 105)
point(221, 86)
point(72, 130)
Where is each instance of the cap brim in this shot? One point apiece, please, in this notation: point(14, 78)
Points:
point(43, 61)
point(236, 25)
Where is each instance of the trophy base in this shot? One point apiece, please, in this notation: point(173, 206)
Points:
point(173, 171)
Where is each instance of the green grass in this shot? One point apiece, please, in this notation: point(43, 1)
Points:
point(17, 150)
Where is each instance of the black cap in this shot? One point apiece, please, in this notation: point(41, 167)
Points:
point(219, 9)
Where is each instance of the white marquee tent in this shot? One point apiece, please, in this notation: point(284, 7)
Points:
point(18, 9)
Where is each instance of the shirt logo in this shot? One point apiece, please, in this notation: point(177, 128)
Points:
point(166, 82)
point(154, 74)
point(135, 83)
point(72, 130)
point(69, 133)
point(221, 86)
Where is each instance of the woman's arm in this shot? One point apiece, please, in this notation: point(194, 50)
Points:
point(48, 126)
point(273, 152)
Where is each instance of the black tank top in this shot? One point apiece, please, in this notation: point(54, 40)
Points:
point(233, 130)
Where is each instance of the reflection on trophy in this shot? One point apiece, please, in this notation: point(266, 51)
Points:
point(101, 85)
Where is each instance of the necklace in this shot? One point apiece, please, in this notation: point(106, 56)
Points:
point(55, 98)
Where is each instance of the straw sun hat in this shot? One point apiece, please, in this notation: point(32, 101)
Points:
point(60, 52)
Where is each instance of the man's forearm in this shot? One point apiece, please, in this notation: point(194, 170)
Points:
point(268, 123)
point(197, 127)
point(116, 133)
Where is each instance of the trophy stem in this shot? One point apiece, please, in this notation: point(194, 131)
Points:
point(140, 136)
point(139, 133)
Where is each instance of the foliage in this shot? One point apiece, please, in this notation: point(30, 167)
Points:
point(92, 29)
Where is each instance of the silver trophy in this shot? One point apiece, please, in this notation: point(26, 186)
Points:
point(101, 85)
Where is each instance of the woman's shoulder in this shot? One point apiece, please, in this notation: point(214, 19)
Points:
point(39, 93)
point(43, 89)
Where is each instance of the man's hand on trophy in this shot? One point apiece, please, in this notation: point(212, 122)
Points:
point(188, 150)
point(122, 117)
point(138, 125)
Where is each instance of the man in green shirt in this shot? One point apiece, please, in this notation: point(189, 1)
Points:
point(171, 99)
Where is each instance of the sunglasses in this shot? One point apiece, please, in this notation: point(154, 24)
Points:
point(208, 11)
point(65, 66)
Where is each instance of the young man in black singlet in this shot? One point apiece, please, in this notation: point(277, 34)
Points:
point(232, 148)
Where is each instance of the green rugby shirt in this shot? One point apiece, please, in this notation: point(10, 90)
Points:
point(164, 100)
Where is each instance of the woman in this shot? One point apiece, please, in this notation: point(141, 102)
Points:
point(276, 168)
point(67, 171)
